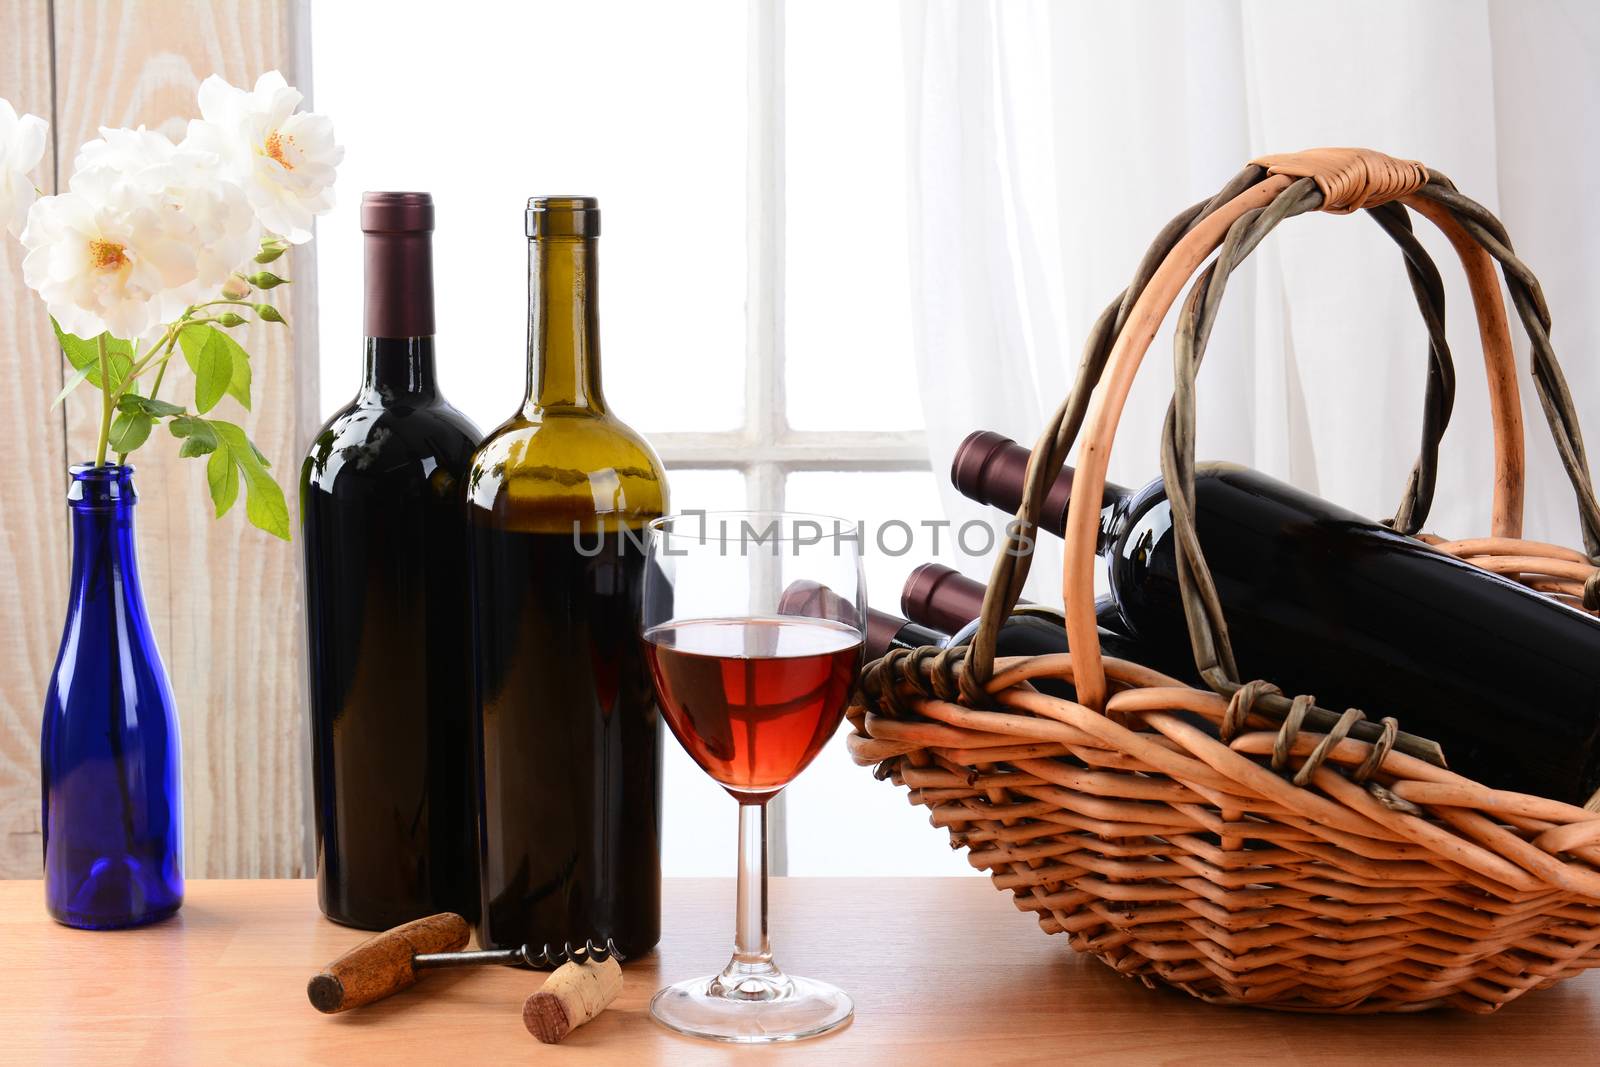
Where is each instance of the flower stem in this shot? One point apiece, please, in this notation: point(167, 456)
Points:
point(161, 372)
point(164, 346)
point(133, 356)
point(105, 403)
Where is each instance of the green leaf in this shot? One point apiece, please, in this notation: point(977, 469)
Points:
point(84, 355)
point(210, 356)
point(239, 383)
point(234, 457)
point(222, 475)
point(198, 436)
point(77, 379)
point(156, 409)
point(264, 503)
point(128, 432)
point(192, 339)
point(195, 341)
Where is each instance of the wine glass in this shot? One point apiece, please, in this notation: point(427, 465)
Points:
point(753, 630)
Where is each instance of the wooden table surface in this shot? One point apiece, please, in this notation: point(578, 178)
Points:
point(943, 970)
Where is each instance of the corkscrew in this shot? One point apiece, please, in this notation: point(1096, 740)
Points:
point(548, 957)
point(393, 960)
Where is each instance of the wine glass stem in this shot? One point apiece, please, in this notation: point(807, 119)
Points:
point(752, 953)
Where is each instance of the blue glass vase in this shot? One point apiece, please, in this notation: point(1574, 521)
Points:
point(113, 802)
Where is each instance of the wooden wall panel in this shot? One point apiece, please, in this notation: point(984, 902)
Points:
point(225, 597)
point(33, 526)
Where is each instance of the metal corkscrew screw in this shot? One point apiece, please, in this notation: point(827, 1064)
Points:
point(548, 957)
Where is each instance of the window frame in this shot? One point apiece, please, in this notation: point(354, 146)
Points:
point(764, 447)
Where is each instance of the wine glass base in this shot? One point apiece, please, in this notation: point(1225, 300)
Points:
point(789, 1010)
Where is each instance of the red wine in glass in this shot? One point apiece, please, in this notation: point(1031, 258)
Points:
point(753, 680)
point(753, 700)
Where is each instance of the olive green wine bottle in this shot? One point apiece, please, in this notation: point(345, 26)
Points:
point(568, 737)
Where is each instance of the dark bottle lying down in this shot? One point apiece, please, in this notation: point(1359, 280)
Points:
point(1321, 601)
point(945, 599)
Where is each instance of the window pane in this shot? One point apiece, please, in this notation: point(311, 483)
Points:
point(887, 836)
point(639, 103)
point(703, 490)
point(848, 313)
point(904, 522)
point(697, 833)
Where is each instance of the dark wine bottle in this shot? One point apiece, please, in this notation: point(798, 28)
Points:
point(941, 597)
point(945, 599)
point(568, 744)
point(1322, 601)
point(1020, 635)
point(885, 632)
point(386, 607)
point(881, 632)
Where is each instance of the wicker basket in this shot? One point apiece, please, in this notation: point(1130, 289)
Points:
point(1278, 866)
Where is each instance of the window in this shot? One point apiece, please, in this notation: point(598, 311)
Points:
point(755, 295)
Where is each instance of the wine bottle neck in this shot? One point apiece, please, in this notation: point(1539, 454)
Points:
point(942, 598)
point(398, 246)
point(563, 324)
point(396, 367)
point(399, 282)
point(885, 632)
point(1053, 516)
point(993, 470)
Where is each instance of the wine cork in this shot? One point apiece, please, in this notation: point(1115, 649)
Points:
point(571, 996)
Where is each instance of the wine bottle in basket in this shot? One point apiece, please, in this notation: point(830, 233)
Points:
point(1020, 635)
point(882, 631)
point(941, 598)
point(945, 599)
point(1321, 601)
point(937, 598)
point(886, 632)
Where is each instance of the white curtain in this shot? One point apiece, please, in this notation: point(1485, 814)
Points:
point(1050, 141)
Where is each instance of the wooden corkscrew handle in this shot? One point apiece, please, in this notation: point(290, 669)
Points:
point(382, 965)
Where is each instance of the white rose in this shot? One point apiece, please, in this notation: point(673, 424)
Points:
point(285, 159)
point(145, 230)
point(22, 143)
point(226, 232)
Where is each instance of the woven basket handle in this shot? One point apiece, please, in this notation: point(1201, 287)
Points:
point(1352, 179)
point(1242, 213)
point(1237, 227)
